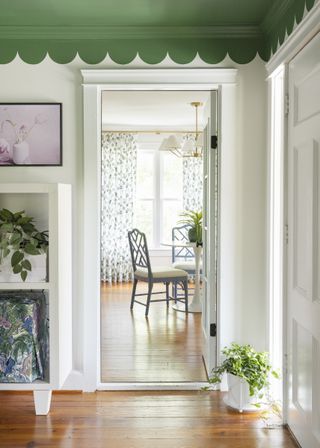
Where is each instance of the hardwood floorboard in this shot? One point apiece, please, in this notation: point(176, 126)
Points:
point(175, 419)
point(165, 347)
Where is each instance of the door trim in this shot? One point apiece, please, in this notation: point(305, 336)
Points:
point(303, 33)
point(94, 82)
point(300, 37)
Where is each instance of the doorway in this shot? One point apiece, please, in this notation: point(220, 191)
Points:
point(94, 82)
point(147, 187)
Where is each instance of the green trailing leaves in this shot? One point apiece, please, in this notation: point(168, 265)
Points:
point(26, 265)
point(24, 275)
point(31, 249)
point(6, 215)
point(7, 227)
point(17, 269)
point(20, 237)
point(16, 258)
point(245, 362)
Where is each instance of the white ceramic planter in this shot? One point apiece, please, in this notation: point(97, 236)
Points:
point(38, 273)
point(238, 396)
point(20, 153)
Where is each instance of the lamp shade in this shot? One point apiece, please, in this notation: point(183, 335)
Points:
point(188, 147)
point(164, 145)
point(173, 143)
point(199, 142)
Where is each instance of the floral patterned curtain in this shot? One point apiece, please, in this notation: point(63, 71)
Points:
point(118, 180)
point(192, 181)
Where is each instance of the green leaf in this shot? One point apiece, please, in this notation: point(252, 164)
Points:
point(17, 268)
point(26, 265)
point(31, 249)
point(28, 228)
point(15, 239)
point(16, 258)
point(24, 275)
point(6, 215)
point(18, 214)
point(24, 220)
point(6, 252)
point(7, 227)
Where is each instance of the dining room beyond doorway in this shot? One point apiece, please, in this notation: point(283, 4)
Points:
point(151, 179)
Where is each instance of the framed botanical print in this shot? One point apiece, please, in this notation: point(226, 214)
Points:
point(30, 134)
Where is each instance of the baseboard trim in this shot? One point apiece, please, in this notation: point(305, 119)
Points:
point(153, 386)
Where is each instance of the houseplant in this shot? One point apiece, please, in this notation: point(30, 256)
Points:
point(194, 220)
point(19, 239)
point(247, 373)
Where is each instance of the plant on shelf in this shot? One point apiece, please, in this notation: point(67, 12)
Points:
point(194, 220)
point(248, 366)
point(19, 238)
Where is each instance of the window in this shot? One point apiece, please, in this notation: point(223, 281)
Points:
point(158, 195)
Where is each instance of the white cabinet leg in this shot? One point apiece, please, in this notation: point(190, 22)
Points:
point(42, 401)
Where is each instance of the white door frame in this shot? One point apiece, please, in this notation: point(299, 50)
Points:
point(277, 67)
point(94, 82)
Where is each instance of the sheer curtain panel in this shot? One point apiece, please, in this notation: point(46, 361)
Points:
point(118, 183)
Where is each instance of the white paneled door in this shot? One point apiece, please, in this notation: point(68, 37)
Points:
point(304, 246)
point(210, 220)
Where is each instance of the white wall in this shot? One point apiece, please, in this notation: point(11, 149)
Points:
point(244, 277)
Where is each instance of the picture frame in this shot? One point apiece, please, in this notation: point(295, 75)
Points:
point(30, 134)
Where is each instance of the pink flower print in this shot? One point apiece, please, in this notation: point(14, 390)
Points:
point(4, 323)
point(4, 150)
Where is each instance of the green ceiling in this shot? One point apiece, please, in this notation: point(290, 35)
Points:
point(152, 28)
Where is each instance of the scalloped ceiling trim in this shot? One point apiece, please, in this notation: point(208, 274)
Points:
point(212, 44)
point(152, 51)
point(292, 15)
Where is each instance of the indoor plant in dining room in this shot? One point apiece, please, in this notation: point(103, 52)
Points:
point(248, 376)
point(194, 220)
point(21, 246)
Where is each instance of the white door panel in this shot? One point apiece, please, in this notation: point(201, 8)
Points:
point(210, 197)
point(303, 247)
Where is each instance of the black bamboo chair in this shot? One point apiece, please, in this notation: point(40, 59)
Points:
point(145, 273)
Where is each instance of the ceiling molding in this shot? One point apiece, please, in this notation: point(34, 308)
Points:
point(297, 40)
point(127, 32)
point(274, 15)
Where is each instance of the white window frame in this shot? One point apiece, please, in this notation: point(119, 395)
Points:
point(158, 199)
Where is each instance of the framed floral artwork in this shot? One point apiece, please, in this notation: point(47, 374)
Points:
point(30, 134)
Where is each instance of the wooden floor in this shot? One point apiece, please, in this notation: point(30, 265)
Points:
point(165, 347)
point(133, 420)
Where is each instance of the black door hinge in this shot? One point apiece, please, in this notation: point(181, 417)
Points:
point(214, 141)
point(213, 330)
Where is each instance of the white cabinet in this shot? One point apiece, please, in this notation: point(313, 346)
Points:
point(50, 204)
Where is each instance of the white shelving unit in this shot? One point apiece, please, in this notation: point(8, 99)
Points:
point(51, 202)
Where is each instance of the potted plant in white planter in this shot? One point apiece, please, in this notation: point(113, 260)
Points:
point(247, 374)
point(22, 246)
point(194, 220)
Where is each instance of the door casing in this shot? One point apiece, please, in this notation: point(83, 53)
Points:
point(94, 82)
point(304, 33)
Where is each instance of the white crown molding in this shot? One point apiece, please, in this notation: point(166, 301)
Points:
point(303, 33)
point(274, 14)
point(128, 32)
point(144, 79)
